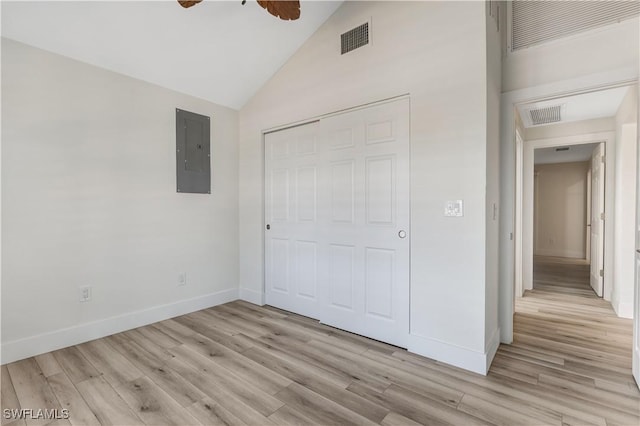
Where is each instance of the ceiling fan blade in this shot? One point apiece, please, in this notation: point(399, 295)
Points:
point(188, 3)
point(287, 10)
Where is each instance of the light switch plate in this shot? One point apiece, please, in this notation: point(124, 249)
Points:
point(453, 208)
point(85, 293)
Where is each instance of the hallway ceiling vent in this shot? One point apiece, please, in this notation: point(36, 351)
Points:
point(545, 115)
point(354, 38)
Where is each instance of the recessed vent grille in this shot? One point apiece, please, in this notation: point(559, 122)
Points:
point(355, 38)
point(546, 115)
point(535, 22)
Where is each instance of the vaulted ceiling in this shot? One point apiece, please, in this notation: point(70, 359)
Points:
point(221, 51)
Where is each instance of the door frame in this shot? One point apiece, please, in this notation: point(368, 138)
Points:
point(600, 201)
point(526, 234)
point(519, 289)
point(635, 349)
point(509, 100)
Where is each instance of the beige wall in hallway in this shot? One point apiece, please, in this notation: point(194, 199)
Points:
point(560, 209)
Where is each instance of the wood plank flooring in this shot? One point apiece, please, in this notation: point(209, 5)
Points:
point(562, 275)
point(243, 364)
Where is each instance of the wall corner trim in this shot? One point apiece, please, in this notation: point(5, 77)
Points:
point(252, 296)
point(35, 345)
point(457, 356)
point(624, 309)
point(492, 347)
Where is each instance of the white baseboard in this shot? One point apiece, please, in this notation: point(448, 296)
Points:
point(16, 350)
point(505, 338)
point(252, 296)
point(492, 347)
point(35, 345)
point(457, 356)
point(623, 309)
point(560, 253)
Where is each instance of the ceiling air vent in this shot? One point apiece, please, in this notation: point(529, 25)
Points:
point(355, 38)
point(545, 115)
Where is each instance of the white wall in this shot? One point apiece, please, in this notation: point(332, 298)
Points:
point(600, 50)
point(89, 198)
point(495, 45)
point(624, 249)
point(561, 209)
point(426, 49)
point(515, 240)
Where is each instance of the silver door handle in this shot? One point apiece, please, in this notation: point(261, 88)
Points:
point(402, 234)
point(638, 250)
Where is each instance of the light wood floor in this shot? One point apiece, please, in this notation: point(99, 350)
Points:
point(243, 364)
point(564, 275)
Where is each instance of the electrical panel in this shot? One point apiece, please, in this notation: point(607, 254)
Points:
point(193, 152)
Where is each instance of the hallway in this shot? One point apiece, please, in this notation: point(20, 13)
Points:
point(570, 347)
point(562, 275)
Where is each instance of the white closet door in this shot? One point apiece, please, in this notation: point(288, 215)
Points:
point(291, 200)
point(337, 208)
point(365, 286)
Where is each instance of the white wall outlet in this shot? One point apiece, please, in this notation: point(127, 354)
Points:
point(182, 279)
point(85, 293)
point(453, 208)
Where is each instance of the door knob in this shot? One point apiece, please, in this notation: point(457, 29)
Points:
point(402, 234)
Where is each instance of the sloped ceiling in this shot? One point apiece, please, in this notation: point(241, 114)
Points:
point(218, 50)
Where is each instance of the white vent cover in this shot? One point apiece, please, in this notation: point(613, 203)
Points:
point(545, 115)
point(534, 22)
point(355, 38)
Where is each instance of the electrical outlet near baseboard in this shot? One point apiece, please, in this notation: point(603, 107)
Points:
point(85, 293)
point(182, 279)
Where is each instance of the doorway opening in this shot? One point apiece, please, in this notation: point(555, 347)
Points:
point(569, 165)
point(568, 219)
point(576, 164)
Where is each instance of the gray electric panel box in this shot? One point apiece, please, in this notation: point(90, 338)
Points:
point(193, 152)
